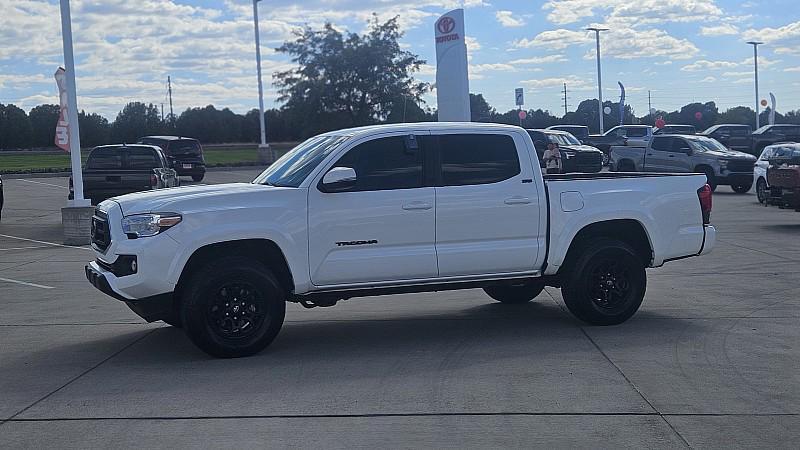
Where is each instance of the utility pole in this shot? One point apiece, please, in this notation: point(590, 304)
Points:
point(649, 104)
point(755, 45)
point(162, 112)
point(169, 91)
point(599, 76)
point(565, 98)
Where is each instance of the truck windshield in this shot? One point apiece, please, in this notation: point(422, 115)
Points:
point(563, 139)
point(293, 167)
point(703, 144)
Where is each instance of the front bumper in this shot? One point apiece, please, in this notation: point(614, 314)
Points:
point(151, 308)
point(735, 178)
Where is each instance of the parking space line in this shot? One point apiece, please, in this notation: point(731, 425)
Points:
point(19, 248)
point(46, 184)
point(25, 283)
point(45, 242)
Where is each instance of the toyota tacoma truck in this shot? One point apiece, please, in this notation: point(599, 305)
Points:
point(391, 209)
point(688, 153)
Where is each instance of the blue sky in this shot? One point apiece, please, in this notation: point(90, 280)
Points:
point(680, 50)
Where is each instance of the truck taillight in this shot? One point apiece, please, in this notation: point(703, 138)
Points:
point(704, 195)
point(153, 181)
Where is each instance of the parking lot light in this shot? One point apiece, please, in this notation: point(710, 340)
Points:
point(599, 75)
point(263, 147)
point(755, 45)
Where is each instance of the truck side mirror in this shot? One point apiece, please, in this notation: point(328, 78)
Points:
point(339, 179)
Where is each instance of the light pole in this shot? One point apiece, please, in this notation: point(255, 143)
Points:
point(72, 107)
point(755, 45)
point(599, 76)
point(263, 148)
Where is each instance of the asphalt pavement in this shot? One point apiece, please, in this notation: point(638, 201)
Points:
point(712, 359)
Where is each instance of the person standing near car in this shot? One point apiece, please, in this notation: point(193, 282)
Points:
point(552, 158)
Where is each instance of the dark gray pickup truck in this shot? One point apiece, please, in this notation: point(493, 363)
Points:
point(113, 170)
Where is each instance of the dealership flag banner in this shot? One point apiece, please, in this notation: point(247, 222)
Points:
point(452, 79)
point(62, 126)
point(621, 103)
point(772, 110)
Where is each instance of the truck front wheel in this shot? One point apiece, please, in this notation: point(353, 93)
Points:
point(515, 293)
point(233, 307)
point(606, 283)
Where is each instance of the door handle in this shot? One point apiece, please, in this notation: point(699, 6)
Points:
point(649, 154)
point(415, 206)
point(671, 156)
point(517, 201)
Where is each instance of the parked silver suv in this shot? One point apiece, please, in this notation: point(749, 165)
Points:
point(688, 153)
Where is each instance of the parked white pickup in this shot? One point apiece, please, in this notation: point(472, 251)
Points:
point(391, 209)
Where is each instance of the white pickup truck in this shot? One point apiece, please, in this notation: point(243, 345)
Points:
point(393, 209)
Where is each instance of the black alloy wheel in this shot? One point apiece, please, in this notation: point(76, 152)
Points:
point(605, 283)
point(233, 307)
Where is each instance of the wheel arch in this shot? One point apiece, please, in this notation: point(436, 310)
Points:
point(262, 250)
point(630, 231)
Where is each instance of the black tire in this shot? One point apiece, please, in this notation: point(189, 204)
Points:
point(761, 191)
point(515, 293)
point(605, 283)
point(198, 178)
point(210, 315)
point(742, 188)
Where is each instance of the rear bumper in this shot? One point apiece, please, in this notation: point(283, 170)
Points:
point(709, 239)
point(195, 170)
point(150, 309)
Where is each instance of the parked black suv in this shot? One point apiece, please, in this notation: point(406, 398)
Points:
point(773, 134)
point(575, 157)
point(731, 135)
point(185, 154)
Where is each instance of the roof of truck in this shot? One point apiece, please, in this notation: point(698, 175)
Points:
point(421, 126)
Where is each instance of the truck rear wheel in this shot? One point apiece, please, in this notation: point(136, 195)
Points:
point(606, 283)
point(515, 293)
point(233, 307)
point(741, 188)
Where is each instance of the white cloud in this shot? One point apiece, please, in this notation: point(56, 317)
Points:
point(573, 82)
point(723, 29)
point(539, 60)
point(627, 13)
point(508, 19)
point(472, 44)
point(620, 42)
point(789, 32)
point(792, 69)
point(708, 65)
point(708, 80)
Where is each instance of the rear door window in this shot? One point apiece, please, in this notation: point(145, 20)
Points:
point(662, 144)
point(184, 147)
point(636, 132)
point(469, 159)
point(105, 158)
point(142, 158)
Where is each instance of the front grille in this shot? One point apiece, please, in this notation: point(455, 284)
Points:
point(740, 166)
point(589, 161)
point(101, 235)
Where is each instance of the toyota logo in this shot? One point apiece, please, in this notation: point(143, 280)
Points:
point(445, 25)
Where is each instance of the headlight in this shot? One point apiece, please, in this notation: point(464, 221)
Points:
point(723, 163)
point(569, 154)
point(145, 225)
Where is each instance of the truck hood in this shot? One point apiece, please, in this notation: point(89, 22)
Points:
point(728, 154)
point(580, 148)
point(187, 198)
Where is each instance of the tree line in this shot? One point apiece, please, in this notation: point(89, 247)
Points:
point(340, 80)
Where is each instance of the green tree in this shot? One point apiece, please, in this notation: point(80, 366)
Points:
point(347, 79)
point(15, 127)
point(136, 119)
point(43, 122)
point(94, 128)
point(480, 109)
